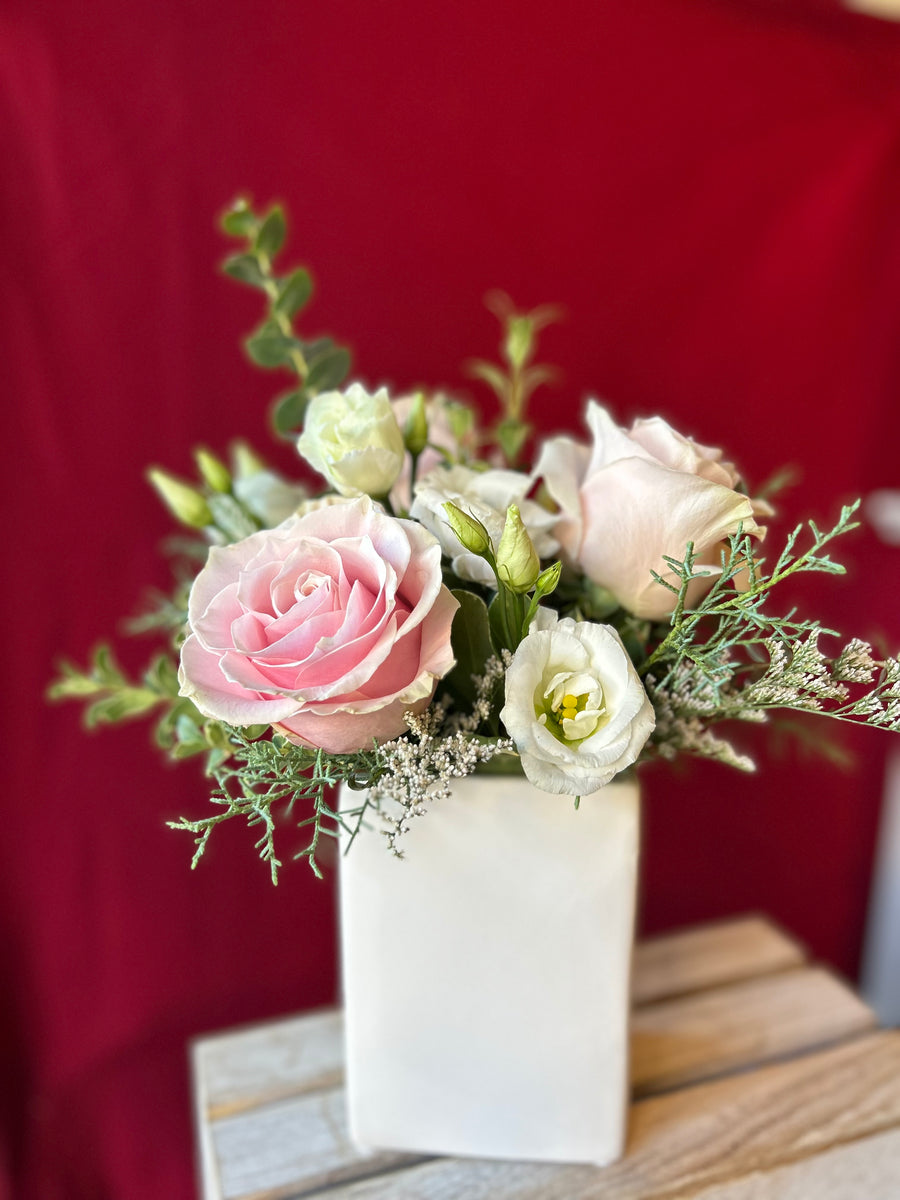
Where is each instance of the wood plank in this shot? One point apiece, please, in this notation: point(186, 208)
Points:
point(289, 1148)
point(753, 1022)
point(268, 1062)
point(674, 1042)
point(240, 1069)
point(689, 960)
point(865, 1170)
point(699, 1137)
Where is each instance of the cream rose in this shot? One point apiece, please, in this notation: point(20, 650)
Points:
point(637, 496)
point(485, 495)
point(353, 439)
point(575, 707)
point(329, 627)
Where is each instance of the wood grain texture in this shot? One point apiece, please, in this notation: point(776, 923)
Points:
point(722, 952)
point(868, 1169)
point(265, 1063)
point(718, 1000)
point(709, 1135)
point(704, 1034)
point(303, 1141)
point(241, 1069)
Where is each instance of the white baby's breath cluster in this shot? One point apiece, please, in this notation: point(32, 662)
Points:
point(421, 766)
point(445, 602)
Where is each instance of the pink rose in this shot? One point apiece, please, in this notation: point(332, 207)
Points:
point(637, 496)
point(329, 627)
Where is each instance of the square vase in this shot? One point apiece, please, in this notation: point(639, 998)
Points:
point(487, 974)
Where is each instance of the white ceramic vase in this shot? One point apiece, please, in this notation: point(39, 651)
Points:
point(487, 975)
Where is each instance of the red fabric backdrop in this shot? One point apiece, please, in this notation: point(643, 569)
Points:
point(710, 187)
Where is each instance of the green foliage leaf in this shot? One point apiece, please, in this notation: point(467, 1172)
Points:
point(239, 221)
point(271, 234)
point(119, 706)
point(270, 347)
point(470, 637)
point(294, 292)
point(245, 268)
point(289, 411)
point(328, 370)
point(512, 435)
point(492, 375)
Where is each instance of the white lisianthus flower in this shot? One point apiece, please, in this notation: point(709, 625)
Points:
point(353, 439)
point(575, 707)
point(485, 495)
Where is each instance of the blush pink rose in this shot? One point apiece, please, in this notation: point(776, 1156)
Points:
point(638, 496)
point(329, 627)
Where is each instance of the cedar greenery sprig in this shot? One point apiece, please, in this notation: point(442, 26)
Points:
point(259, 775)
point(728, 659)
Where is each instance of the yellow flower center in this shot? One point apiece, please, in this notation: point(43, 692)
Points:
point(562, 710)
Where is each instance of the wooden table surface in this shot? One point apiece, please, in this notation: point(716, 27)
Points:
point(756, 1076)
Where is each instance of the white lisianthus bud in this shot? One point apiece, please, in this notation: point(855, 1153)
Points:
point(415, 429)
point(213, 470)
point(518, 565)
point(353, 439)
point(470, 531)
point(487, 496)
point(575, 706)
point(185, 503)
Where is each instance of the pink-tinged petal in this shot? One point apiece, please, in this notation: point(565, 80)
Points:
point(321, 602)
point(636, 512)
point(254, 587)
point(562, 464)
point(202, 681)
point(347, 668)
point(300, 644)
point(680, 453)
point(436, 653)
point(362, 562)
point(248, 632)
point(255, 675)
point(611, 443)
point(344, 732)
point(213, 624)
point(223, 566)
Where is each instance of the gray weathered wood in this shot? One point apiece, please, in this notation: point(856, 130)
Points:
point(702, 957)
point(865, 1170)
point(303, 1141)
point(242, 1069)
point(694, 1138)
point(725, 998)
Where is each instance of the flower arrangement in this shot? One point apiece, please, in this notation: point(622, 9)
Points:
point(438, 608)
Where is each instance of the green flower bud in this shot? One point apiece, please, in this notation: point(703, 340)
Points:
point(246, 461)
point(213, 470)
point(518, 566)
point(468, 529)
point(415, 430)
point(548, 579)
point(186, 503)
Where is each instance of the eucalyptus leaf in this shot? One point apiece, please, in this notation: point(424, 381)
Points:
point(289, 411)
point(328, 371)
point(271, 234)
point(240, 221)
point(294, 292)
point(245, 268)
point(271, 348)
